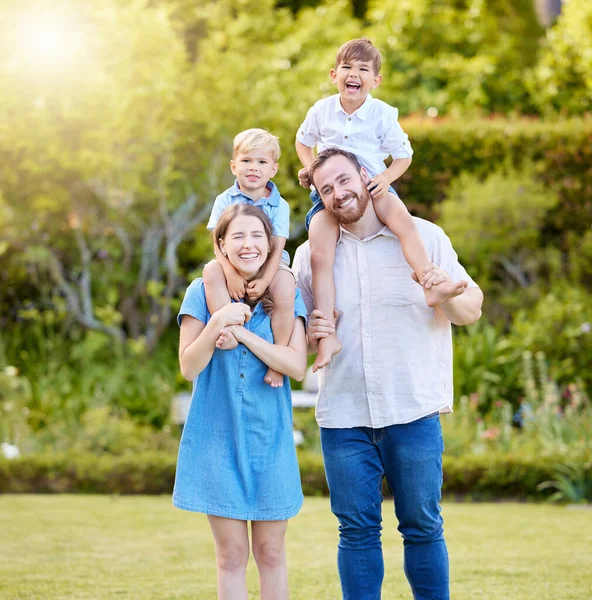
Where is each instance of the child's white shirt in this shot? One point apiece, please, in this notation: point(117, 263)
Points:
point(372, 132)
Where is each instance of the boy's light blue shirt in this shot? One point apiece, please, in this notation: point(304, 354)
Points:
point(274, 206)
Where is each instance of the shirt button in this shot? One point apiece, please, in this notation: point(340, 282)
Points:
point(242, 375)
point(244, 352)
point(349, 118)
point(346, 137)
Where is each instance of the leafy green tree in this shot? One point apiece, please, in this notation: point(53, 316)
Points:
point(562, 79)
point(496, 227)
point(455, 56)
point(92, 189)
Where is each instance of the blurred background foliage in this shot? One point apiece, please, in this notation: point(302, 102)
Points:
point(117, 119)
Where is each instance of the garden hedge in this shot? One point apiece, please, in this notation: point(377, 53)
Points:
point(487, 476)
point(561, 150)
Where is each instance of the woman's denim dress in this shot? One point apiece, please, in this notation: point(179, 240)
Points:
point(237, 457)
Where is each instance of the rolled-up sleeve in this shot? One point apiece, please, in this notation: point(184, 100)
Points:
point(394, 140)
point(308, 133)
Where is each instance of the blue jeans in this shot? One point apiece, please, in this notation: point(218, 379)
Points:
point(410, 457)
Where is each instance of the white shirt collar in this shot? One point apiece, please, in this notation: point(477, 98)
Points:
point(361, 112)
point(345, 233)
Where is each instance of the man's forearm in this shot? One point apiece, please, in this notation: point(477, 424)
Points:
point(464, 309)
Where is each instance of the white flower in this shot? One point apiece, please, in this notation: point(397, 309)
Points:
point(586, 328)
point(9, 450)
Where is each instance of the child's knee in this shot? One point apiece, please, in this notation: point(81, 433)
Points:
point(212, 272)
point(283, 291)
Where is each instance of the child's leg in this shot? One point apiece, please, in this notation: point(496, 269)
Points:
point(323, 234)
point(217, 296)
point(394, 214)
point(231, 539)
point(283, 291)
point(269, 550)
point(214, 280)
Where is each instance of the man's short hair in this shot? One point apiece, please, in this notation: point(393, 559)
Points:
point(256, 139)
point(325, 155)
point(359, 49)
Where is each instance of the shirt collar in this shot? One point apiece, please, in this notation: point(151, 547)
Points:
point(349, 235)
point(361, 112)
point(273, 198)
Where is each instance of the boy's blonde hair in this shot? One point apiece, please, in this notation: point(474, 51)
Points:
point(359, 49)
point(256, 139)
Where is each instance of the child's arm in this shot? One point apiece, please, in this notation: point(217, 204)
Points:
point(306, 156)
point(290, 359)
point(256, 288)
point(197, 340)
point(384, 179)
point(235, 283)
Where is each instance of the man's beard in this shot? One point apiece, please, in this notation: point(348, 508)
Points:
point(351, 216)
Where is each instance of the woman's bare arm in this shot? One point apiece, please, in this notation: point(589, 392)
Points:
point(197, 340)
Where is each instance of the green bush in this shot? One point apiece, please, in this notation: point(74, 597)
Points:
point(560, 326)
point(446, 148)
point(482, 476)
point(148, 473)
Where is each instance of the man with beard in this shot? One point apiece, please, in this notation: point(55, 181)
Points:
point(379, 399)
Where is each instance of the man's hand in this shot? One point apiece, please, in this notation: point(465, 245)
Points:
point(256, 288)
point(319, 327)
point(378, 187)
point(438, 287)
point(304, 178)
point(433, 275)
point(237, 286)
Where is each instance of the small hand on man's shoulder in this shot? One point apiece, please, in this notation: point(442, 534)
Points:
point(304, 177)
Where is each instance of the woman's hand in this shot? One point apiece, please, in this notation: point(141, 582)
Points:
point(235, 313)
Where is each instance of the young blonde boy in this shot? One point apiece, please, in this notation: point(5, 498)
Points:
point(255, 155)
point(354, 121)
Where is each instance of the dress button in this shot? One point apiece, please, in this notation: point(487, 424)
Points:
point(242, 375)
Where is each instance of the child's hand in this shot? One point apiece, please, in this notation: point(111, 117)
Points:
point(256, 288)
point(378, 187)
point(226, 341)
point(304, 178)
point(237, 286)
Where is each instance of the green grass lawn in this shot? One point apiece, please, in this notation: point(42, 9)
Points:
point(141, 548)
